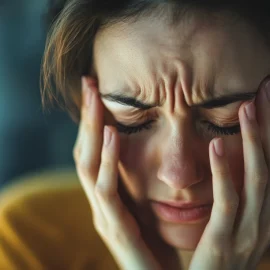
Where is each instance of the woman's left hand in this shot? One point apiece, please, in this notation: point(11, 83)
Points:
point(225, 243)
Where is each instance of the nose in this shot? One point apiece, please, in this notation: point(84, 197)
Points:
point(179, 168)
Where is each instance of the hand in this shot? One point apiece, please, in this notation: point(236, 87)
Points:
point(224, 245)
point(96, 159)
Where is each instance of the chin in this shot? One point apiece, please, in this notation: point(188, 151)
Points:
point(182, 236)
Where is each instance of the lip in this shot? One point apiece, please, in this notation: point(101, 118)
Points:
point(189, 214)
point(184, 205)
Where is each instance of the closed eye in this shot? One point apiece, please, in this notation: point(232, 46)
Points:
point(134, 129)
point(208, 126)
point(217, 130)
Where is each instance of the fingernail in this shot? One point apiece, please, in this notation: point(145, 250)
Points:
point(219, 149)
point(267, 90)
point(107, 136)
point(250, 110)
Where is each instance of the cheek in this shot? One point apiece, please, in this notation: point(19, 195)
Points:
point(236, 161)
point(134, 164)
point(131, 152)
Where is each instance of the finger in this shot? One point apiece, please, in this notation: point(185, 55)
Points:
point(123, 234)
point(225, 196)
point(92, 130)
point(215, 241)
point(78, 142)
point(90, 141)
point(255, 180)
point(106, 186)
point(263, 105)
point(263, 110)
point(122, 227)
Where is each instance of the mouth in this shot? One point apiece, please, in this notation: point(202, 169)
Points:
point(184, 205)
point(187, 213)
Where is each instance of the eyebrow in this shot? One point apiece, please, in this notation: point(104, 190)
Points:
point(217, 102)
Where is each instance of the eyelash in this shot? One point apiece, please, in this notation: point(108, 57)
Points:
point(214, 129)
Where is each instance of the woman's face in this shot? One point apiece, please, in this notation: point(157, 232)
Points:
point(177, 68)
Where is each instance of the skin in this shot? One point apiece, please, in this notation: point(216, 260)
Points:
point(175, 66)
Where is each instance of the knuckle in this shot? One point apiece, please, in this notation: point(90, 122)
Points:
point(260, 180)
point(102, 232)
point(221, 172)
point(106, 163)
point(114, 233)
point(218, 248)
point(100, 192)
point(246, 246)
point(104, 194)
point(118, 235)
point(253, 137)
point(76, 154)
point(217, 251)
point(84, 169)
point(87, 169)
point(230, 207)
point(91, 126)
point(99, 227)
point(260, 177)
point(106, 159)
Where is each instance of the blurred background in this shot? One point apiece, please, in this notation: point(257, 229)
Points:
point(29, 139)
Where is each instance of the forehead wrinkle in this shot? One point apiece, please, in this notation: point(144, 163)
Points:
point(200, 90)
point(152, 89)
point(202, 86)
point(131, 32)
point(164, 86)
point(182, 79)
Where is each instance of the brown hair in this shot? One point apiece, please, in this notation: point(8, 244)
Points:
point(68, 51)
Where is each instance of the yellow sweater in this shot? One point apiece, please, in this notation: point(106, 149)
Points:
point(46, 223)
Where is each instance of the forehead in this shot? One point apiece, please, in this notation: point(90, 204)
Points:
point(210, 49)
point(126, 43)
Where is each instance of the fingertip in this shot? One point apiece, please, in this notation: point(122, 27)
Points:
point(242, 107)
point(242, 111)
point(219, 147)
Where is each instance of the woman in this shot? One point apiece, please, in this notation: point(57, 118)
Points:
point(174, 138)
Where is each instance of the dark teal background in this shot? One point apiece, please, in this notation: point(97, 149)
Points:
point(29, 139)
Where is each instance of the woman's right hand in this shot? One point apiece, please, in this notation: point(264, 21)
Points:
point(96, 154)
